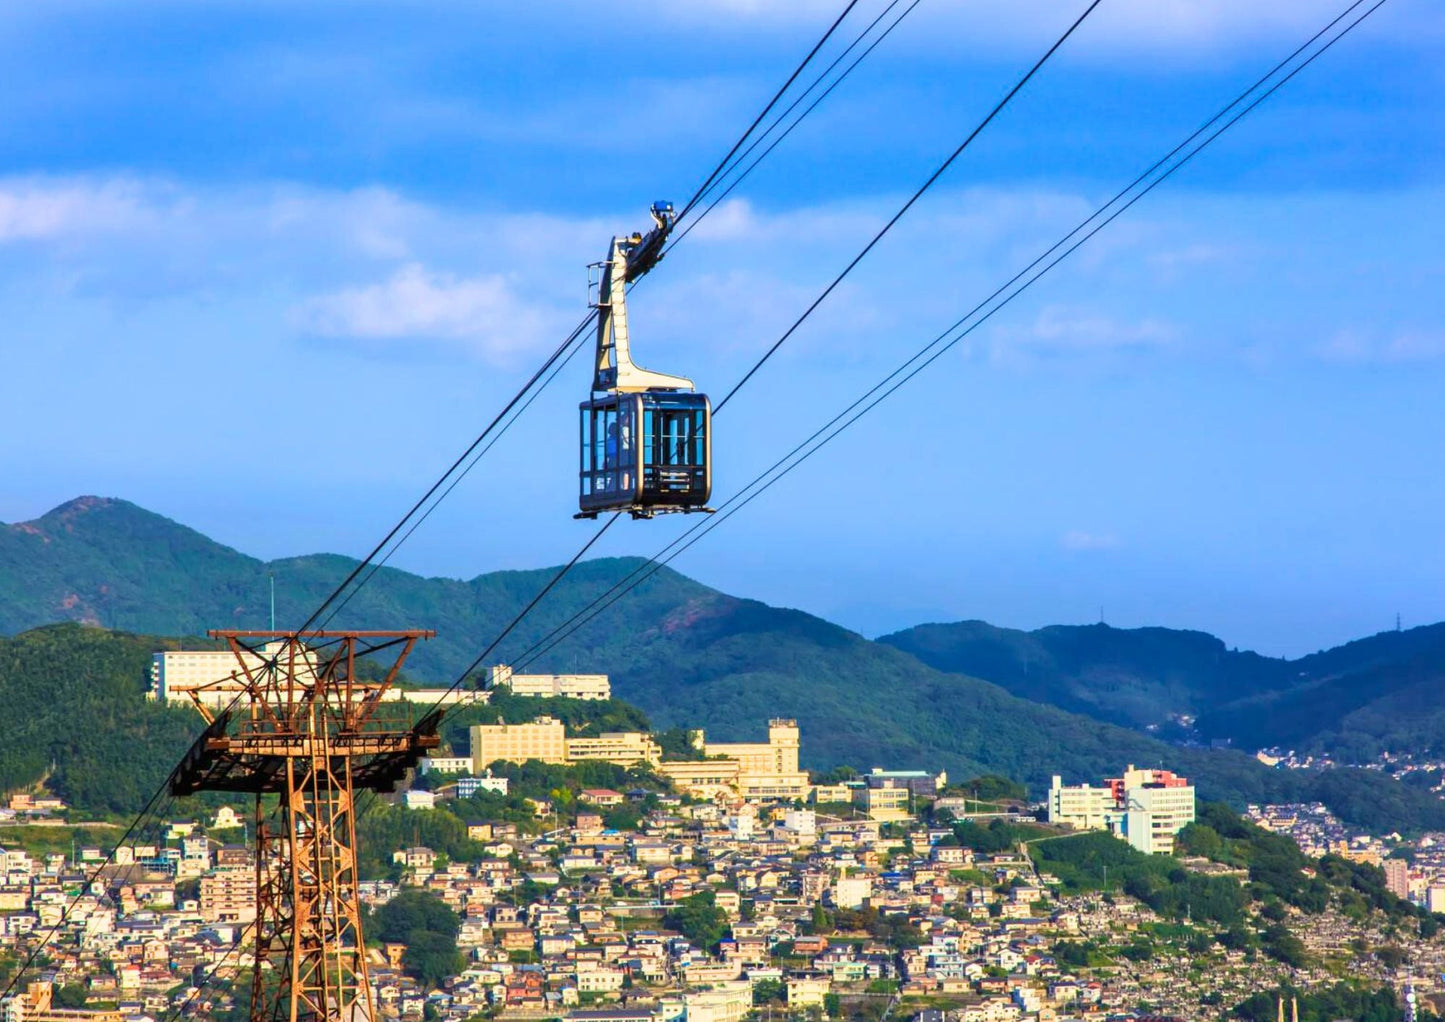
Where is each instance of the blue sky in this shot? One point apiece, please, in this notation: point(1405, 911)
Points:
point(265, 268)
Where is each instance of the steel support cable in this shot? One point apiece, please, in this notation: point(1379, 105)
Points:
point(558, 353)
point(382, 562)
point(522, 614)
point(682, 542)
point(739, 179)
point(927, 184)
point(511, 403)
point(697, 195)
point(762, 136)
point(942, 168)
point(210, 975)
point(711, 523)
point(907, 205)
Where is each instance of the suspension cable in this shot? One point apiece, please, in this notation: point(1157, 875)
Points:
point(998, 108)
point(646, 569)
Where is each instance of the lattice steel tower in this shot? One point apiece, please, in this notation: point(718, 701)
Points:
point(295, 725)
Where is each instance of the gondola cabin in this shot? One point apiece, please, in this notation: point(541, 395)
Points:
point(646, 453)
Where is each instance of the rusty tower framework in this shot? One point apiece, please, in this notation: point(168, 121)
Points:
point(296, 725)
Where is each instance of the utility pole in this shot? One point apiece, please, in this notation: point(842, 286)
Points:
point(303, 733)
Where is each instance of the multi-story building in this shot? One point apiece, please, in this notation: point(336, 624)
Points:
point(571, 686)
point(767, 770)
point(1147, 808)
point(229, 896)
point(215, 676)
point(1081, 806)
point(919, 782)
point(624, 748)
point(704, 778)
point(1154, 813)
point(546, 739)
point(883, 801)
point(469, 786)
point(1397, 877)
point(543, 739)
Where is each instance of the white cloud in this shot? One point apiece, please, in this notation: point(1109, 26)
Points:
point(1077, 539)
point(33, 209)
point(483, 313)
point(1372, 347)
point(1189, 276)
point(1059, 332)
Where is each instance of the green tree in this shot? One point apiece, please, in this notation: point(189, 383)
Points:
point(428, 928)
point(72, 995)
point(699, 920)
point(768, 991)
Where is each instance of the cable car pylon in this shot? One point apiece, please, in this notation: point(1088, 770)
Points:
point(646, 436)
point(303, 733)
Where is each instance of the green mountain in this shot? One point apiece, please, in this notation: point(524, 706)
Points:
point(77, 718)
point(1141, 677)
point(1381, 693)
point(684, 653)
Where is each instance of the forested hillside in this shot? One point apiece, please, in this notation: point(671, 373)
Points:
point(75, 715)
point(685, 654)
point(1382, 693)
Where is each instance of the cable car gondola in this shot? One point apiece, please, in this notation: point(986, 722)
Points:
point(646, 436)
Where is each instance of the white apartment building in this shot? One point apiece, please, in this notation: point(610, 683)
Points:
point(1153, 815)
point(445, 764)
point(1081, 806)
point(572, 686)
point(1147, 808)
point(215, 676)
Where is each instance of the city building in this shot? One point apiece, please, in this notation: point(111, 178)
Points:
point(445, 764)
point(807, 990)
point(1154, 813)
point(704, 778)
point(229, 896)
point(1397, 877)
point(543, 739)
point(1147, 808)
point(469, 786)
point(215, 676)
point(766, 770)
point(571, 686)
point(883, 801)
point(852, 892)
point(1081, 806)
point(919, 782)
point(625, 748)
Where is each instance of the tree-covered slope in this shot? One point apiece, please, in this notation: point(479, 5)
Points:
point(684, 653)
point(76, 716)
point(1387, 705)
point(1372, 695)
point(1136, 677)
point(104, 561)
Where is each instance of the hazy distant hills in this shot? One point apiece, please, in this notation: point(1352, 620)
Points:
point(1379, 693)
point(1136, 677)
point(687, 654)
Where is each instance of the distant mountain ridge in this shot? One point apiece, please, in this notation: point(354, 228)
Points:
point(1381, 693)
point(683, 652)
